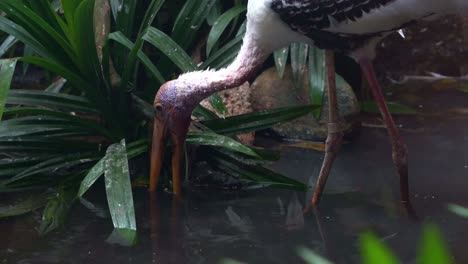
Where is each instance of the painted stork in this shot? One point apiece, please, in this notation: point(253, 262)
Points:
point(352, 27)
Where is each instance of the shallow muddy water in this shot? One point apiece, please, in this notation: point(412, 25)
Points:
point(266, 225)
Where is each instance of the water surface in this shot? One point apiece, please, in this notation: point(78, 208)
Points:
point(266, 225)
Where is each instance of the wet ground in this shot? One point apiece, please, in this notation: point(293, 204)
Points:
point(267, 226)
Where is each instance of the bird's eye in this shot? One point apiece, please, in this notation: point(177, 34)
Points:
point(158, 107)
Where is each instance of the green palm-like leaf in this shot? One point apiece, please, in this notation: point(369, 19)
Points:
point(119, 189)
point(170, 48)
point(22, 35)
point(121, 39)
point(56, 138)
point(7, 68)
point(281, 60)
point(212, 139)
point(317, 77)
point(256, 121)
point(30, 204)
point(41, 30)
point(9, 42)
point(252, 172)
point(220, 25)
point(189, 20)
point(51, 100)
point(124, 14)
point(150, 15)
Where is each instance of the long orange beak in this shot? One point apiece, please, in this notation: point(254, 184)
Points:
point(160, 135)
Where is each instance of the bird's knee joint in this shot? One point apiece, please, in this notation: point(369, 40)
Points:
point(333, 142)
point(400, 154)
point(334, 128)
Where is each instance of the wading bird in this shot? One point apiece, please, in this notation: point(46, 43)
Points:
point(352, 27)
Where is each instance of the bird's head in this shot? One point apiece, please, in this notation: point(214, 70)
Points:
point(173, 111)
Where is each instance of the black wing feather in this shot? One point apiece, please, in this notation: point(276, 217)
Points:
point(311, 17)
point(317, 13)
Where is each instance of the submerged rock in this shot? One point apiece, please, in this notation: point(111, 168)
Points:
point(270, 91)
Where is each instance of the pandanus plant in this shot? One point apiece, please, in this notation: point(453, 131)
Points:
point(104, 60)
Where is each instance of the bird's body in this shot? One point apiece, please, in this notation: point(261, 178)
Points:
point(352, 27)
point(342, 25)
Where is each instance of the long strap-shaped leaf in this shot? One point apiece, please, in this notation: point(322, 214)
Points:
point(133, 149)
point(119, 190)
point(221, 24)
point(46, 10)
point(225, 55)
point(121, 39)
point(24, 36)
point(170, 48)
point(7, 68)
point(51, 100)
point(187, 24)
point(9, 42)
point(317, 73)
point(212, 139)
point(255, 173)
point(58, 46)
point(150, 15)
point(54, 164)
point(256, 121)
point(124, 12)
point(189, 20)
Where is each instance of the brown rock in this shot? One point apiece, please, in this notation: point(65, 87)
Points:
point(237, 101)
point(269, 91)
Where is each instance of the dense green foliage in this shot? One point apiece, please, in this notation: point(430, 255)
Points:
point(94, 111)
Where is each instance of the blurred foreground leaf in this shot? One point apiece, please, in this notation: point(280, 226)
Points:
point(463, 88)
point(311, 257)
point(373, 250)
point(459, 210)
point(432, 248)
point(231, 261)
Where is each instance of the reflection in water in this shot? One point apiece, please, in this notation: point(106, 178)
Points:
point(267, 225)
point(166, 248)
point(295, 216)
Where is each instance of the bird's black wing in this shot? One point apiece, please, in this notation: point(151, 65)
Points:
point(304, 14)
point(312, 17)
